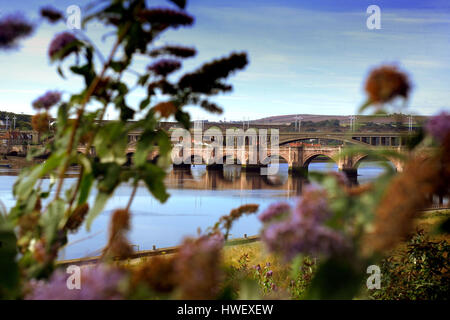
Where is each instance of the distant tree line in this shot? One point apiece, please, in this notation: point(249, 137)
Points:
point(23, 121)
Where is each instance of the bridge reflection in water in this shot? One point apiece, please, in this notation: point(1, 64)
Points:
point(234, 177)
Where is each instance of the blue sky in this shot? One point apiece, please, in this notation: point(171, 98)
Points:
point(305, 56)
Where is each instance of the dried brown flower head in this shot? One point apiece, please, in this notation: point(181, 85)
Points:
point(166, 109)
point(86, 137)
point(39, 251)
point(118, 245)
point(40, 122)
point(198, 267)
point(406, 195)
point(28, 222)
point(77, 217)
point(386, 83)
point(158, 273)
point(358, 190)
point(227, 221)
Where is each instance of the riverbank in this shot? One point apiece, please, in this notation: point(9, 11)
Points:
point(236, 248)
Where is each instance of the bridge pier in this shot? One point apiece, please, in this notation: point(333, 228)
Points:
point(182, 166)
point(351, 174)
point(252, 167)
point(214, 167)
point(298, 171)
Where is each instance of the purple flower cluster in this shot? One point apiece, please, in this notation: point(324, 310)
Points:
point(439, 126)
point(198, 267)
point(12, 28)
point(275, 210)
point(177, 51)
point(97, 283)
point(207, 79)
point(63, 40)
point(302, 230)
point(164, 66)
point(166, 17)
point(51, 14)
point(49, 99)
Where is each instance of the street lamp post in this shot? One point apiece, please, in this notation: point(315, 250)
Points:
point(352, 123)
point(300, 124)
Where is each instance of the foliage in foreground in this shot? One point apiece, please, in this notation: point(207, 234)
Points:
point(419, 272)
point(328, 239)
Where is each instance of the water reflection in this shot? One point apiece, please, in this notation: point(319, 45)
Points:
point(198, 198)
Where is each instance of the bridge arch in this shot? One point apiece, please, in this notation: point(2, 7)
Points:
point(195, 159)
point(281, 158)
point(311, 157)
point(358, 160)
point(129, 156)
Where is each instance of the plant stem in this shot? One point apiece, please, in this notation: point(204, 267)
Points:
point(133, 193)
point(80, 112)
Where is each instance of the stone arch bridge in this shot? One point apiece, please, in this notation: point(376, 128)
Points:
point(297, 157)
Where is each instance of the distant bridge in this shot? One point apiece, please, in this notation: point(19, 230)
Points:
point(298, 158)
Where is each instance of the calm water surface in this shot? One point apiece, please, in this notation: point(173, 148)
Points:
point(197, 199)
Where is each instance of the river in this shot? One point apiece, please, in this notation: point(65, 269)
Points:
point(197, 200)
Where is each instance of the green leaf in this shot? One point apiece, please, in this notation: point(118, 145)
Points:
point(296, 265)
point(86, 71)
point(335, 279)
point(118, 66)
point(153, 177)
point(111, 141)
point(85, 187)
point(25, 184)
point(9, 270)
point(126, 113)
point(51, 219)
point(111, 177)
point(183, 118)
point(143, 79)
point(144, 103)
point(443, 227)
point(145, 144)
point(63, 115)
point(60, 72)
point(249, 290)
point(100, 202)
point(364, 106)
point(61, 54)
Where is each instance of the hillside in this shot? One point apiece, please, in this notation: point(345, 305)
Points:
point(23, 121)
point(343, 120)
